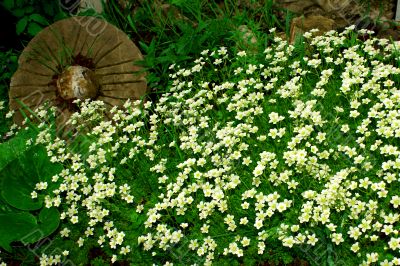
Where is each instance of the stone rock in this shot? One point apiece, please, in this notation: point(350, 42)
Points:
point(343, 12)
point(296, 6)
point(282, 35)
point(247, 39)
point(300, 25)
point(389, 34)
point(382, 11)
point(169, 11)
point(314, 7)
point(248, 35)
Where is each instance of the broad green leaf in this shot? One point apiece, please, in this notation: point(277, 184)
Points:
point(60, 15)
point(20, 176)
point(4, 207)
point(17, 193)
point(48, 222)
point(21, 25)
point(13, 58)
point(51, 217)
point(15, 147)
point(15, 226)
point(34, 28)
point(39, 19)
point(18, 12)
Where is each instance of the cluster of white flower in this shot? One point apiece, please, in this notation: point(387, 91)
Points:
point(307, 152)
point(88, 181)
point(288, 143)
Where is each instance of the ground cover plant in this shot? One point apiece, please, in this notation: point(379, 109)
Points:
point(178, 31)
point(244, 153)
point(246, 158)
point(33, 16)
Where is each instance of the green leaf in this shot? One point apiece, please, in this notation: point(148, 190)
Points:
point(20, 176)
point(17, 193)
point(51, 217)
point(34, 28)
point(330, 258)
point(15, 147)
point(60, 15)
point(14, 226)
point(49, 220)
point(39, 19)
point(131, 23)
point(19, 12)
point(144, 47)
point(178, 3)
point(21, 25)
point(4, 207)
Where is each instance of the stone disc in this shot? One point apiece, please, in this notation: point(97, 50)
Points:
point(83, 41)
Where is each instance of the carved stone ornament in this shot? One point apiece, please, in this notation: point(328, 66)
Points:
point(76, 58)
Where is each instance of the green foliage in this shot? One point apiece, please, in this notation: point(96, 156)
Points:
point(15, 147)
point(99, 262)
point(34, 15)
point(14, 226)
point(20, 176)
point(25, 227)
point(177, 31)
point(47, 222)
point(166, 36)
point(9, 64)
point(21, 167)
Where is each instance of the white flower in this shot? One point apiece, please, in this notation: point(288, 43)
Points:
point(355, 247)
point(312, 239)
point(125, 250)
point(10, 114)
point(34, 194)
point(41, 185)
point(274, 118)
point(241, 53)
point(337, 238)
point(245, 241)
point(288, 241)
point(204, 228)
point(65, 232)
point(244, 220)
point(394, 243)
point(345, 128)
point(395, 201)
